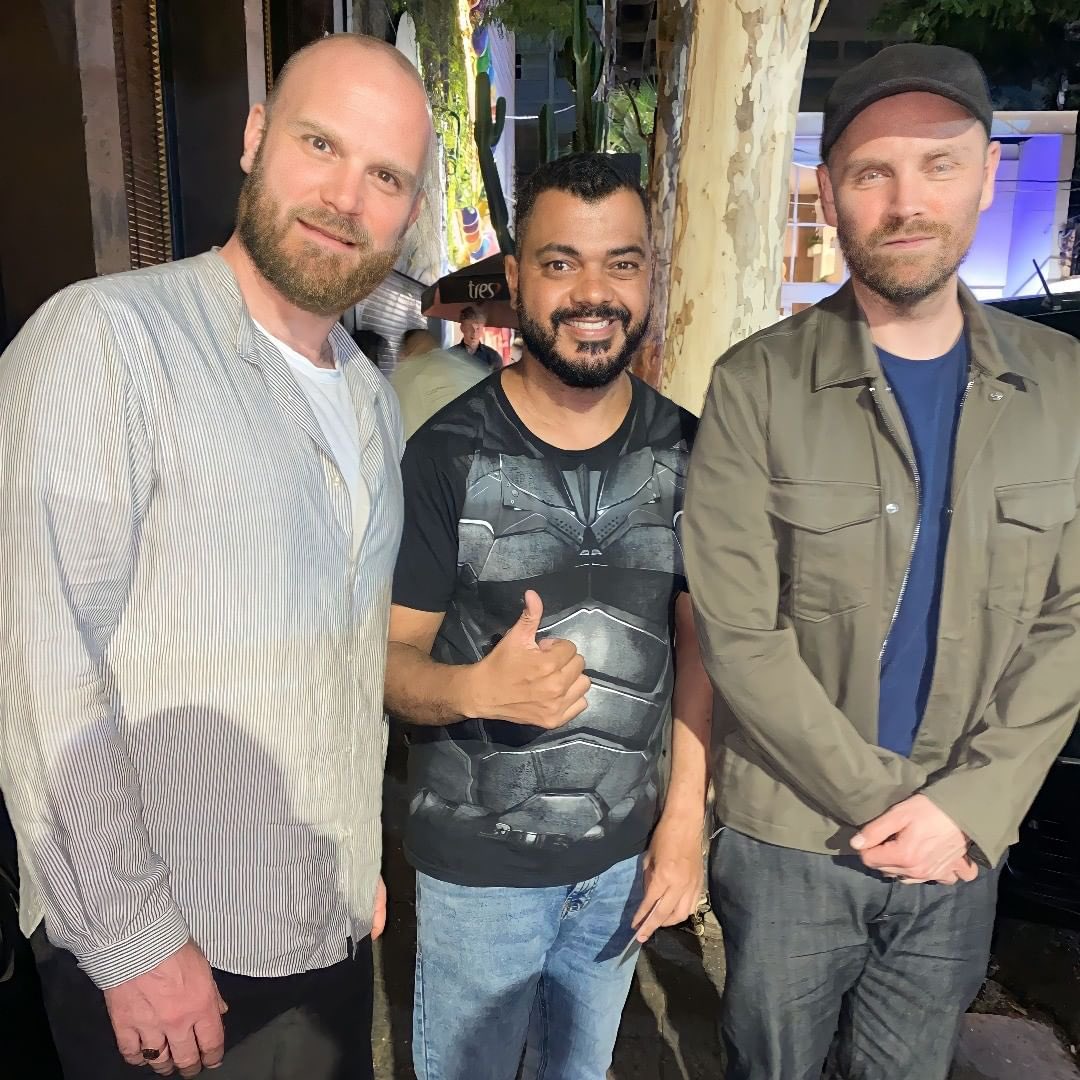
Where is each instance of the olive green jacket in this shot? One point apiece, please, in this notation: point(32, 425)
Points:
point(800, 519)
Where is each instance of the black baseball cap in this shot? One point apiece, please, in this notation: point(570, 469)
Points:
point(904, 69)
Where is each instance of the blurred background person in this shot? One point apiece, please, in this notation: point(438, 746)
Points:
point(428, 377)
point(473, 321)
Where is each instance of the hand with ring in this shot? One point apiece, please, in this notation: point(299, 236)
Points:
point(170, 1016)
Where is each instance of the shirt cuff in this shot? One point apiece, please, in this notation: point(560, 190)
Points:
point(139, 953)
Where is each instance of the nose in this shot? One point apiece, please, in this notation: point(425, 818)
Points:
point(592, 286)
point(908, 193)
point(343, 190)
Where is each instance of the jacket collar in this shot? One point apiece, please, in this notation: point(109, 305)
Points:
point(845, 353)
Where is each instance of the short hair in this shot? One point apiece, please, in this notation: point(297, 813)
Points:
point(417, 339)
point(472, 314)
point(589, 176)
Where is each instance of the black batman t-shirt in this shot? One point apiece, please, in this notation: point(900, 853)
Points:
point(491, 511)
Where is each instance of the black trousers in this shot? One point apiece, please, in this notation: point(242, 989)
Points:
point(311, 1026)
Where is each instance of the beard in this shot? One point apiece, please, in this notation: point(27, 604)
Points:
point(906, 280)
point(590, 368)
point(309, 276)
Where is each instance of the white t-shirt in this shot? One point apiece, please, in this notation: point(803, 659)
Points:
point(330, 400)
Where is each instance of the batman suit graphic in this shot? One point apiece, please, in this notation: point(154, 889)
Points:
point(601, 546)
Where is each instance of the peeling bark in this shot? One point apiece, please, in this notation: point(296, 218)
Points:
point(731, 76)
point(673, 30)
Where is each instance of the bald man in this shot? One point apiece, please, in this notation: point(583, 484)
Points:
point(200, 508)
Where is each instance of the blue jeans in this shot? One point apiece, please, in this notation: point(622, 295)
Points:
point(544, 970)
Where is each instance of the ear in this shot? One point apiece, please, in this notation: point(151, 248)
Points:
point(510, 268)
point(418, 205)
point(990, 168)
point(254, 130)
point(828, 198)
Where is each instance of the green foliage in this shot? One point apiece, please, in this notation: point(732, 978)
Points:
point(631, 117)
point(935, 19)
point(532, 18)
point(588, 66)
point(442, 58)
point(1025, 46)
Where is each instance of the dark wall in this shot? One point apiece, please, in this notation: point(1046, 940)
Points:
point(296, 23)
point(46, 240)
point(204, 75)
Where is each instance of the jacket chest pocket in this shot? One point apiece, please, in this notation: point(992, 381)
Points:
point(1024, 540)
point(827, 532)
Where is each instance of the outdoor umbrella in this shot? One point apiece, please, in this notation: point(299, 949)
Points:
point(481, 284)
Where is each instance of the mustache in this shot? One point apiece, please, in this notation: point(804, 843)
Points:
point(897, 230)
point(342, 227)
point(593, 311)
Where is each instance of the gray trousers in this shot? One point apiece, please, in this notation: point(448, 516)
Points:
point(824, 954)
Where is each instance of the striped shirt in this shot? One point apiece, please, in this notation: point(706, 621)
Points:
point(192, 735)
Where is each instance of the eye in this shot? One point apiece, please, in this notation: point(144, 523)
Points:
point(388, 178)
point(319, 144)
point(626, 266)
point(557, 265)
point(869, 176)
point(942, 167)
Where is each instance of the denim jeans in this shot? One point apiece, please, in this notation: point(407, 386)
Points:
point(544, 970)
point(822, 952)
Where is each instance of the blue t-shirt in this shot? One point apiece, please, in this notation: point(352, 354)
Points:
point(929, 393)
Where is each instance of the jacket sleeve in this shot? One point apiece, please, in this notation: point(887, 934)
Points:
point(996, 769)
point(75, 481)
point(776, 703)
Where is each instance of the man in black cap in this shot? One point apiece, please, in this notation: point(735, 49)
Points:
point(883, 547)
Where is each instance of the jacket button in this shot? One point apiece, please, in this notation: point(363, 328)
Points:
point(996, 395)
point(892, 508)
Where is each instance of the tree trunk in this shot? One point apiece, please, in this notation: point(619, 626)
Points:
point(674, 24)
point(731, 72)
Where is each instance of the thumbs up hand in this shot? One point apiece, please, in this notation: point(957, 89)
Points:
point(525, 681)
point(523, 632)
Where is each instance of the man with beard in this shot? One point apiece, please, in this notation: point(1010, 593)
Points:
point(201, 507)
point(883, 547)
point(543, 653)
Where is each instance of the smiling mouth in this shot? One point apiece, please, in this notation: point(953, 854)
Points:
point(327, 235)
point(591, 327)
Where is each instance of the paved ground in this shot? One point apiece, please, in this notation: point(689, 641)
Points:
point(1006, 1048)
point(1041, 967)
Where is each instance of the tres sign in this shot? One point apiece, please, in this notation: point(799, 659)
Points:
point(483, 290)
